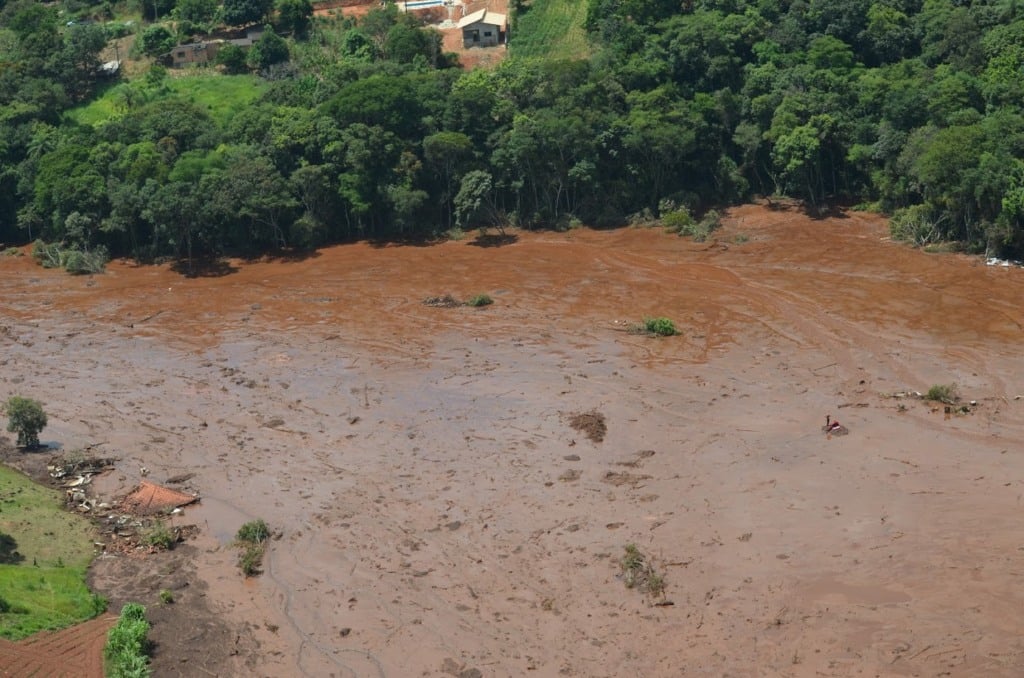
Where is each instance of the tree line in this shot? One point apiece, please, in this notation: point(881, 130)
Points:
point(367, 129)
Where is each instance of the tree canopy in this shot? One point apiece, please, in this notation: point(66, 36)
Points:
point(366, 129)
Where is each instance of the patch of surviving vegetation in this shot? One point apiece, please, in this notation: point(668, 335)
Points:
point(590, 423)
point(448, 301)
point(126, 654)
point(44, 553)
point(160, 537)
point(252, 537)
point(26, 418)
point(70, 258)
point(656, 327)
point(445, 301)
point(638, 573)
point(943, 393)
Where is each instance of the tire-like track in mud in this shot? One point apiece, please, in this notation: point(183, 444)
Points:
point(75, 652)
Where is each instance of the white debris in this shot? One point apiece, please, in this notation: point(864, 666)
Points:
point(1005, 263)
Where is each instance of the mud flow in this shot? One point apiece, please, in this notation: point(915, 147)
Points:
point(438, 511)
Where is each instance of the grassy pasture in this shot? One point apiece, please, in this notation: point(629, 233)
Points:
point(44, 554)
point(552, 29)
point(220, 95)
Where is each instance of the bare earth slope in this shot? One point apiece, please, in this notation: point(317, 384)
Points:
point(441, 517)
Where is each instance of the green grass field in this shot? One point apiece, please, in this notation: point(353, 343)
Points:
point(221, 95)
point(44, 554)
point(551, 28)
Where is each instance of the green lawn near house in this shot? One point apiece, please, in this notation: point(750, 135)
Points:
point(219, 95)
point(44, 554)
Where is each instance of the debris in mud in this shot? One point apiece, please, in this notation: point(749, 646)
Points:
point(454, 668)
point(446, 301)
point(619, 479)
point(639, 573)
point(833, 427)
point(81, 468)
point(74, 473)
point(150, 498)
point(592, 424)
point(180, 478)
point(638, 461)
point(130, 535)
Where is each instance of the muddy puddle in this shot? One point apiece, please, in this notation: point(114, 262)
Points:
point(439, 514)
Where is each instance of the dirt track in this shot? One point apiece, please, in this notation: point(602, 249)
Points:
point(441, 515)
point(76, 652)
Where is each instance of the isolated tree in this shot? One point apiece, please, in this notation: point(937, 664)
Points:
point(270, 49)
point(200, 12)
point(293, 15)
point(156, 40)
point(232, 58)
point(238, 12)
point(27, 419)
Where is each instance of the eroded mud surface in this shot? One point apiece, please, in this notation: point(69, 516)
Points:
point(439, 514)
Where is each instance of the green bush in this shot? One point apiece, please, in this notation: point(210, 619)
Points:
point(914, 224)
point(161, 537)
point(253, 537)
point(76, 261)
point(155, 40)
point(27, 419)
point(232, 58)
point(663, 327)
point(127, 649)
point(480, 300)
point(680, 221)
point(117, 29)
point(943, 393)
point(251, 560)
point(253, 532)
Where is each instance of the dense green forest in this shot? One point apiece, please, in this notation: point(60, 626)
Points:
point(347, 129)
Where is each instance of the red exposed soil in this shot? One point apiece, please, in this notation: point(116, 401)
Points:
point(440, 515)
point(76, 652)
point(436, 17)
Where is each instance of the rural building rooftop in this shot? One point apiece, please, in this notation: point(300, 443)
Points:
point(483, 16)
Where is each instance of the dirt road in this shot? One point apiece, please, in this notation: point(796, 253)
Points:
point(440, 516)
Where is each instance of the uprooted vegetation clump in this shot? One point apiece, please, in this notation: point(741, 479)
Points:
point(448, 301)
point(639, 573)
point(444, 301)
point(943, 393)
point(660, 327)
point(252, 537)
point(592, 424)
point(654, 327)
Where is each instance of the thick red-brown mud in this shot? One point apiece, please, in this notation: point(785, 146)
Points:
point(439, 515)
